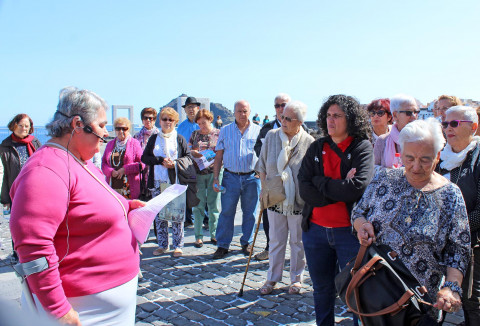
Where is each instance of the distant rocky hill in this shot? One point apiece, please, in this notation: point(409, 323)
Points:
point(215, 108)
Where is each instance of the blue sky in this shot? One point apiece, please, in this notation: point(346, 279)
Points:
point(144, 53)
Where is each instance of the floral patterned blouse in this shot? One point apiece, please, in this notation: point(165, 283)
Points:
point(428, 229)
point(202, 142)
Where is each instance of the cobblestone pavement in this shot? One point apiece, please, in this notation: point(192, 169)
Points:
point(196, 290)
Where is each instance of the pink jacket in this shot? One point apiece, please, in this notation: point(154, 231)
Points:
point(131, 164)
point(98, 250)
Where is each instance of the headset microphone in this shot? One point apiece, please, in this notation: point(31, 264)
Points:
point(89, 130)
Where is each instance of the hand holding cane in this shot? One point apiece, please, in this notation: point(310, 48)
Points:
point(259, 219)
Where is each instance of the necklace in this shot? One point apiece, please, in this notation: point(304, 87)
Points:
point(120, 153)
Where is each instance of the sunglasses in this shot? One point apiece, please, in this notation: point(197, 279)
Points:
point(453, 123)
point(287, 118)
point(148, 118)
point(380, 113)
point(409, 113)
point(277, 106)
point(121, 128)
point(167, 119)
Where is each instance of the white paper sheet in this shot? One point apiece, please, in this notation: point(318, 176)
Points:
point(141, 219)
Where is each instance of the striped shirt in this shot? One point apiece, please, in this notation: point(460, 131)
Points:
point(238, 153)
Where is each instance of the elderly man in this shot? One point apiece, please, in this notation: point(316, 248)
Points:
point(235, 150)
point(279, 103)
point(185, 129)
point(443, 103)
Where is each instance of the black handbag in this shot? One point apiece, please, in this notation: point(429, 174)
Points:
point(145, 193)
point(378, 287)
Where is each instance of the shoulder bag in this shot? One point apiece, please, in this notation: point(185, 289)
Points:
point(378, 288)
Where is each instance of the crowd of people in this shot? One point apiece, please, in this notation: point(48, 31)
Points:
point(370, 174)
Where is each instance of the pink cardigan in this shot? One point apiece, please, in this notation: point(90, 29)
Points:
point(102, 252)
point(131, 164)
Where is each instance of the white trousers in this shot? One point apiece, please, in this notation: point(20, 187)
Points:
point(280, 225)
point(111, 307)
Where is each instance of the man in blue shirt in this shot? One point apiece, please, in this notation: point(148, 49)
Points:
point(235, 149)
point(185, 129)
point(189, 125)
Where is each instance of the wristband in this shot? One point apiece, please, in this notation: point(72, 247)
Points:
point(453, 286)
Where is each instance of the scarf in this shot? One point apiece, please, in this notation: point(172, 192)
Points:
point(451, 160)
point(25, 141)
point(165, 146)
point(144, 134)
point(390, 149)
point(120, 145)
point(285, 172)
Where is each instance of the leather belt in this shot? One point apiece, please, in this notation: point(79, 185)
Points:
point(240, 173)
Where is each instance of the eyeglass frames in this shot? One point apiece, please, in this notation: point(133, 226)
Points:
point(453, 123)
point(121, 128)
point(410, 113)
point(380, 113)
point(148, 118)
point(282, 117)
point(167, 119)
point(277, 106)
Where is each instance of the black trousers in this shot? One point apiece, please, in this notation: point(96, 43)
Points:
point(266, 228)
point(471, 306)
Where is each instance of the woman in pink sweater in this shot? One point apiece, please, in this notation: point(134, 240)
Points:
point(121, 161)
point(64, 210)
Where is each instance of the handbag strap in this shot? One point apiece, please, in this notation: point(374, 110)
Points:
point(359, 277)
point(290, 156)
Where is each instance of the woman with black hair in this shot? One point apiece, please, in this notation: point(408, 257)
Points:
point(335, 171)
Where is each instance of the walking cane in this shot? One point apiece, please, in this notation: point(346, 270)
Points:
point(240, 293)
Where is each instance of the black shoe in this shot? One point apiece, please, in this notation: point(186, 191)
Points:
point(214, 241)
point(220, 253)
point(246, 249)
point(187, 224)
point(198, 244)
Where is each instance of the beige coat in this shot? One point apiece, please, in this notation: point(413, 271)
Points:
point(267, 162)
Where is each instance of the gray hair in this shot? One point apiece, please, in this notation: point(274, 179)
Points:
point(399, 100)
point(299, 108)
point(467, 112)
point(422, 130)
point(283, 97)
point(74, 102)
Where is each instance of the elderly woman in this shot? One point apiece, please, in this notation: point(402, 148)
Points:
point(442, 104)
point(334, 174)
point(14, 151)
point(160, 154)
point(460, 162)
point(149, 116)
point(404, 110)
point(81, 234)
point(200, 140)
point(420, 215)
point(380, 117)
point(121, 161)
point(282, 154)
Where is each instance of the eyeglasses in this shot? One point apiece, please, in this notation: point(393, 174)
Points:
point(287, 118)
point(167, 119)
point(453, 123)
point(380, 113)
point(277, 106)
point(148, 118)
point(24, 126)
point(441, 109)
point(334, 116)
point(121, 128)
point(410, 113)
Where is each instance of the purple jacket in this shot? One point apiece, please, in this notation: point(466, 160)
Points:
point(131, 163)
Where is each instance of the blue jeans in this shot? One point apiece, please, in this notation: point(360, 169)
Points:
point(323, 247)
point(247, 189)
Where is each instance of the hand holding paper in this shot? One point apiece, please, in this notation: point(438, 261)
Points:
point(141, 219)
